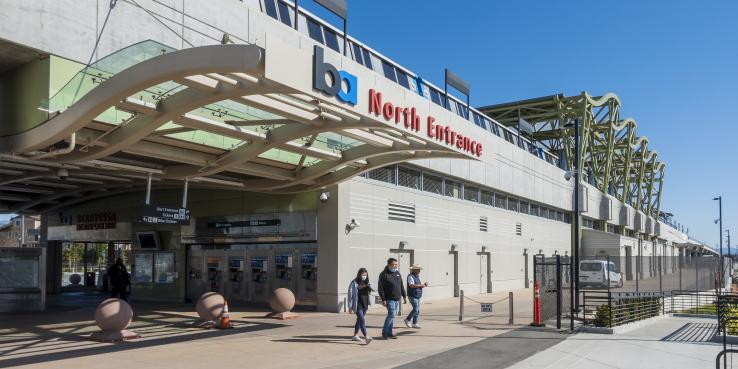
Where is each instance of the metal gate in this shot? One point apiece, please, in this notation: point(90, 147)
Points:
point(553, 276)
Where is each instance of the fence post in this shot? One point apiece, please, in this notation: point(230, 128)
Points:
point(661, 258)
point(461, 305)
point(609, 307)
point(510, 297)
point(558, 291)
point(680, 276)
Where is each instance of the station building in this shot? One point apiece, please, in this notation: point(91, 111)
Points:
point(227, 146)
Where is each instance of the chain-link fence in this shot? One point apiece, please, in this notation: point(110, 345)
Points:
point(652, 273)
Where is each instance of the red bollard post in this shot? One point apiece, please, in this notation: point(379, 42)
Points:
point(536, 306)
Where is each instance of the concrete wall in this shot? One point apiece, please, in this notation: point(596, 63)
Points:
point(440, 222)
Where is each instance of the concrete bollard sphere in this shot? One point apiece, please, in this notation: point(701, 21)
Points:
point(113, 315)
point(282, 300)
point(75, 279)
point(210, 305)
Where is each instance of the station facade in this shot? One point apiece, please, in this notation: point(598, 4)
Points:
point(374, 163)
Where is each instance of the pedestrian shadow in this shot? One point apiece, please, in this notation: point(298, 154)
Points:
point(340, 340)
point(693, 332)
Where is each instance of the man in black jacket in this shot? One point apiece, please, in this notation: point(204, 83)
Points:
point(118, 276)
point(390, 289)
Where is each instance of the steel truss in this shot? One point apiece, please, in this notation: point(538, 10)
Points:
point(613, 157)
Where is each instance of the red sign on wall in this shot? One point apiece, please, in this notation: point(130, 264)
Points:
point(409, 117)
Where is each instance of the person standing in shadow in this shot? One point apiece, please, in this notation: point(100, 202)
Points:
point(119, 280)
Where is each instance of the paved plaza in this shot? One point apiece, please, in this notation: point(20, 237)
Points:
point(58, 339)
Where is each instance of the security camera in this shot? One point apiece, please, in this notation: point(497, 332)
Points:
point(324, 196)
point(567, 176)
point(354, 224)
point(63, 173)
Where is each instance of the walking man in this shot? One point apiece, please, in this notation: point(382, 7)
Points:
point(390, 289)
point(119, 280)
point(415, 292)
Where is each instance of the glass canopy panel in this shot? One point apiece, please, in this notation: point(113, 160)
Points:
point(282, 156)
point(207, 139)
point(90, 77)
point(334, 142)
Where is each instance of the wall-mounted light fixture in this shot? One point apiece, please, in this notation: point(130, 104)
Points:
point(403, 244)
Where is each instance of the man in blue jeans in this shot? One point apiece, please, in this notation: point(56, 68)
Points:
point(390, 289)
point(415, 292)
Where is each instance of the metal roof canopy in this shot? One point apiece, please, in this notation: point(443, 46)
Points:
point(212, 115)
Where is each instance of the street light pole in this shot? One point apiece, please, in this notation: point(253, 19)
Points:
point(577, 227)
point(720, 219)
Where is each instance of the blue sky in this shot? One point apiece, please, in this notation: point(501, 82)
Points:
point(674, 65)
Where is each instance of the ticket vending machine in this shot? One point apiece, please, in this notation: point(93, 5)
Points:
point(259, 279)
point(215, 273)
point(196, 284)
point(236, 283)
point(307, 291)
point(283, 271)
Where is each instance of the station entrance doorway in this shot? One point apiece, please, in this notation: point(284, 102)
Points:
point(248, 273)
point(84, 264)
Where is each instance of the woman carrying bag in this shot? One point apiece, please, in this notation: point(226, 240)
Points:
point(359, 299)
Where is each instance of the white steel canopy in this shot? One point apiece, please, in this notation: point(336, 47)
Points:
point(222, 116)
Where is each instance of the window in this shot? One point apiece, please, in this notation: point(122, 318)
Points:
point(552, 214)
point(389, 71)
point(611, 228)
point(270, 8)
point(432, 184)
point(488, 198)
point(19, 271)
point(560, 216)
point(471, 194)
point(385, 174)
point(407, 177)
point(331, 40)
point(143, 272)
point(512, 204)
point(567, 217)
point(435, 96)
point(402, 79)
point(500, 201)
point(534, 209)
point(315, 31)
point(508, 136)
point(284, 13)
point(524, 207)
point(17, 222)
point(357, 54)
point(367, 59)
point(495, 129)
point(164, 271)
point(452, 189)
point(544, 212)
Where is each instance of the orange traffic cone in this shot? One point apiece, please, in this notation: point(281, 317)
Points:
point(225, 319)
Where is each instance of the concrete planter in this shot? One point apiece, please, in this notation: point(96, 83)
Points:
point(622, 328)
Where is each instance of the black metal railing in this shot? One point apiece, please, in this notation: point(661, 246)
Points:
point(610, 309)
point(693, 302)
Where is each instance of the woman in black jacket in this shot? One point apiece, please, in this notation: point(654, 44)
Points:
point(359, 294)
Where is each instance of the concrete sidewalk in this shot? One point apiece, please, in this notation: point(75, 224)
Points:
point(671, 342)
point(317, 340)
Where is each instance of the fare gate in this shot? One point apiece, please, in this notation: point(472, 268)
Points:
point(553, 276)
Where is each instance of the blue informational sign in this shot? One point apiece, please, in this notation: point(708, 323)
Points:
point(257, 263)
point(281, 258)
point(308, 258)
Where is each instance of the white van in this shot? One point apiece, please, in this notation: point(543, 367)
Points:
point(592, 273)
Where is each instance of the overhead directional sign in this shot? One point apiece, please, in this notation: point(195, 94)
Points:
point(155, 214)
